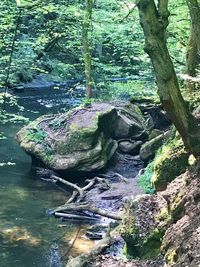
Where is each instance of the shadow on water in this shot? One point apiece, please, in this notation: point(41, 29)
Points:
point(28, 237)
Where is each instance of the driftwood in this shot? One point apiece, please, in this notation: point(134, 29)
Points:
point(84, 207)
point(75, 203)
point(74, 216)
point(121, 177)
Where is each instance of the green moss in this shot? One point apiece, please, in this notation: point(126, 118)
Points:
point(171, 256)
point(137, 245)
point(81, 139)
point(170, 162)
point(150, 248)
point(145, 179)
point(164, 216)
point(35, 135)
point(177, 206)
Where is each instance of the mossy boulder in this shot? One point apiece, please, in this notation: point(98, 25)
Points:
point(140, 228)
point(79, 140)
point(170, 162)
point(148, 149)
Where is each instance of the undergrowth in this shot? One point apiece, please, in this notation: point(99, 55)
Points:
point(145, 179)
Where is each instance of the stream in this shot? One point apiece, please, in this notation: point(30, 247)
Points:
point(28, 237)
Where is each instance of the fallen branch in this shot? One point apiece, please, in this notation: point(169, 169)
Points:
point(121, 177)
point(74, 186)
point(86, 207)
point(74, 216)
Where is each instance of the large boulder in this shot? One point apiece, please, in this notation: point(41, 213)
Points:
point(131, 123)
point(79, 140)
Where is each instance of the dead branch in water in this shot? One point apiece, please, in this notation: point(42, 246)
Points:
point(84, 207)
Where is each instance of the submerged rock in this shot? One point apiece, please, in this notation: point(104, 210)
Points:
point(79, 140)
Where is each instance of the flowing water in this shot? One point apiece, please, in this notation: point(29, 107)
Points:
point(28, 236)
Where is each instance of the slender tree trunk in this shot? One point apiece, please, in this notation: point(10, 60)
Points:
point(86, 47)
point(154, 21)
point(191, 60)
point(194, 9)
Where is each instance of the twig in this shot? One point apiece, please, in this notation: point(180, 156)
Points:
point(73, 196)
point(72, 243)
point(74, 186)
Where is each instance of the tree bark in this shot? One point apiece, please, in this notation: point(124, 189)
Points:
point(191, 60)
point(154, 21)
point(194, 10)
point(86, 47)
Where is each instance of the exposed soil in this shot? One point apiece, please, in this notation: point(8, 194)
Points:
point(121, 166)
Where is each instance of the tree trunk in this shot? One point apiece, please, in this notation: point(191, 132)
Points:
point(154, 21)
point(86, 47)
point(191, 60)
point(194, 10)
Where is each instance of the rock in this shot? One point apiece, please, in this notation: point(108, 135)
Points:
point(130, 122)
point(170, 163)
point(79, 140)
point(158, 116)
point(129, 147)
point(154, 133)
point(142, 234)
point(148, 149)
point(167, 222)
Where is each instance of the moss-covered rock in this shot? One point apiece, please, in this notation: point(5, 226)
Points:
point(140, 229)
point(167, 223)
point(79, 140)
point(148, 149)
point(170, 162)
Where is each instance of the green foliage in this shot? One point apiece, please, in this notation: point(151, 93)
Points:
point(36, 136)
point(131, 89)
point(145, 179)
point(10, 111)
